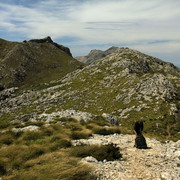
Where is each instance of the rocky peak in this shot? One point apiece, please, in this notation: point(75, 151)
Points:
point(46, 39)
point(49, 40)
point(94, 51)
point(96, 54)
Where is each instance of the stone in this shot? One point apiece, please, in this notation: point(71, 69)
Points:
point(27, 128)
point(111, 119)
point(7, 93)
point(90, 159)
point(78, 115)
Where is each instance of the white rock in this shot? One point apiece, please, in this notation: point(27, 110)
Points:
point(28, 128)
point(90, 159)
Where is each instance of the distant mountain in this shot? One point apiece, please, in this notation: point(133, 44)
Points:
point(32, 62)
point(96, 54)
point(126, 84)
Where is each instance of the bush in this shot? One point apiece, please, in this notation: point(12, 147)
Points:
point(57, 127)
point(63, 143)
point(3, 124)
point(47, 131)
point(64, 119)
point(99, 120)
point(108, 152)
point(32, 135)
point(16, 155)
point(3, 170)
point(6, 139)
point(106, 131)
point(1, 87)
point(74, 126)
point(81, 134)
point(56, 165)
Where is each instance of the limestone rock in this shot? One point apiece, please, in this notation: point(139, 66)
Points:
point(28, 128)
point(7, 93)
point(111, 119)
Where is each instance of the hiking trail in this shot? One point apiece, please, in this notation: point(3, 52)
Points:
point(160, 162)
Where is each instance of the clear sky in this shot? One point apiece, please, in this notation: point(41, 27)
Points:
point(150, 26)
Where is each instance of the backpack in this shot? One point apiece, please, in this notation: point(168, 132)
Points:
point(140, 142)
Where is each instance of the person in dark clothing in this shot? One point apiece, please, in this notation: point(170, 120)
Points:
point(140, 141)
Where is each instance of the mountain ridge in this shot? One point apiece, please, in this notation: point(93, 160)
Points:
point(127, 84)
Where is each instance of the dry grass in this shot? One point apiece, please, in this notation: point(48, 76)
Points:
point(84, 134)
point(108, 152)
point(96, 129)
point(48, 152)
point(53, 166)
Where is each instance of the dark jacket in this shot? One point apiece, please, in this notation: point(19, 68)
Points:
point(140, 142)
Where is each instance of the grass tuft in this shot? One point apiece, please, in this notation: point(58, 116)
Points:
point(84, 134)
point(108, 152)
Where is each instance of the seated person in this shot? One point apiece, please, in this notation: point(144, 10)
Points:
point(140, 141)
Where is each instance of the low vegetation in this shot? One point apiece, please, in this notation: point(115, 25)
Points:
point(105, 152)
point(47, 153)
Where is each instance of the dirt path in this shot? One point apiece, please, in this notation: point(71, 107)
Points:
point(160, 162)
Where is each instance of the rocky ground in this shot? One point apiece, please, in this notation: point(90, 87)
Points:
point(160, 162)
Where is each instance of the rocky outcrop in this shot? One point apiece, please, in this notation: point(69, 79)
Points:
point(49, 40)
point(27, 128)
point(111, 119)
point(8, 93)
point(77, 115)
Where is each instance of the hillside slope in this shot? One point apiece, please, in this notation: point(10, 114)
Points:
point(34, 62)
point(126, 84)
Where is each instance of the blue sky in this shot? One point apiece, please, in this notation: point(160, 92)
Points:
point(152, 27)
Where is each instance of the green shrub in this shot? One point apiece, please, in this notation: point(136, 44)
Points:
point(64, 119)
point(16, 155)
point(56, 165)
point(108, 152)
point(47, 131)
point(57, 137)
point(99, 120)
point(63, 143)
point(6, 139)
point(73, 126)
point(3, 124)
point(35, 123)
point(3, 170)
point(57, 127)
point(80, 134)
point(32, 135)
point(106, 131)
